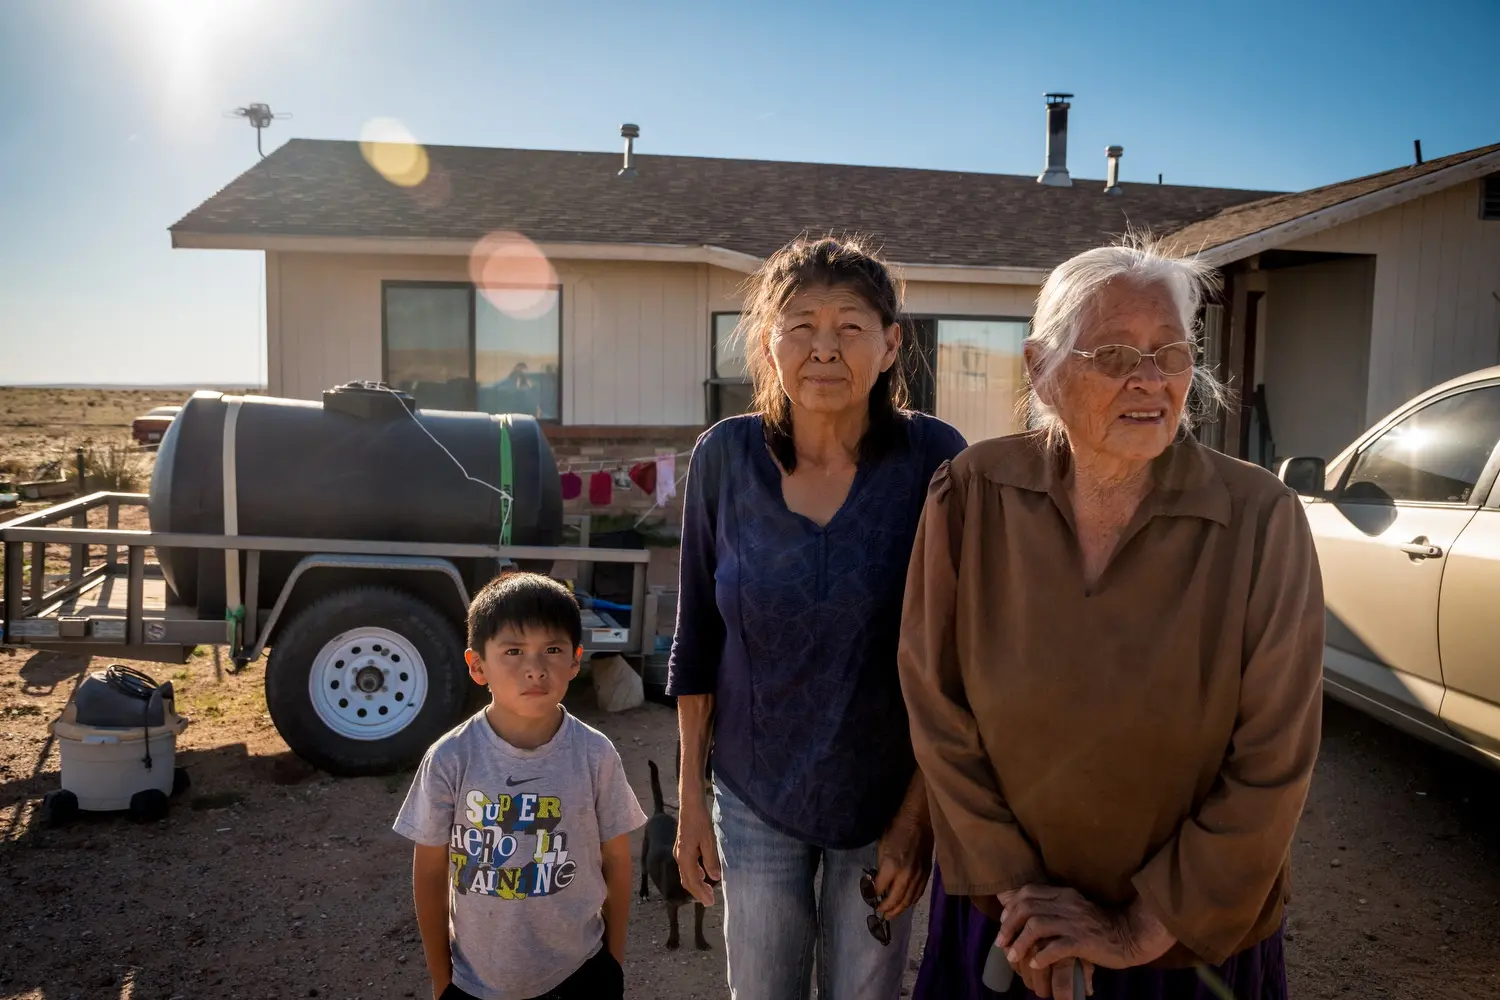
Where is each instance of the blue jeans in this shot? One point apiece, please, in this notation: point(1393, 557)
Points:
point(777, 919)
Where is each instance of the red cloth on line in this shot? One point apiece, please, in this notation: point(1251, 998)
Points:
point(601, 489)
point(644, 476)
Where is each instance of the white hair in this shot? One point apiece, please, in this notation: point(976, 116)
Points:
point(1062, 308)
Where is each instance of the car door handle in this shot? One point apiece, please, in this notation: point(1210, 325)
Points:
point(1420, 548)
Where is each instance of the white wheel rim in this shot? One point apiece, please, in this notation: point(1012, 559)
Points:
point(367, 683)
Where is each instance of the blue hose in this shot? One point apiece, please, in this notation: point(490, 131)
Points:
point(600, 603)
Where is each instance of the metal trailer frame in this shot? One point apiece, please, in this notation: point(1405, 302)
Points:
point(33, 616)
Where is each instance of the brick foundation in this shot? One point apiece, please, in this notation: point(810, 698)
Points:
point(584, 449)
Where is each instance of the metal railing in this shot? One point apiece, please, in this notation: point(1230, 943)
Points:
point(41, 529)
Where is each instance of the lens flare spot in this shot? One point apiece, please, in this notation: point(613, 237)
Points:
point(436, 191)
point(513, 274)
point(393, 152)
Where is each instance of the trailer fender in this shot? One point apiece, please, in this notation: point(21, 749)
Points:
point(360, 563)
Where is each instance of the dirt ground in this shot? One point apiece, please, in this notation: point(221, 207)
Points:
point(270, 879)
point(41, 431)
point(38, 426)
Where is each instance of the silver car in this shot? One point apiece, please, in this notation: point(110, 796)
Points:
point(1407, 525)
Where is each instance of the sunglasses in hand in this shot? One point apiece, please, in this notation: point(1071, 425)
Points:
point(880, 928)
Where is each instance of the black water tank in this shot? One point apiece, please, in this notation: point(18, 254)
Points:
point(359, 465)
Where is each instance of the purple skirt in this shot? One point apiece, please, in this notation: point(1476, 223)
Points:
point(959, 938)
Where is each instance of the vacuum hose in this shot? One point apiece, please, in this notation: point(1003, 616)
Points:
point(134, 684)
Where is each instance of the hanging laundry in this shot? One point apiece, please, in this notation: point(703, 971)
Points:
point(572, 486)
point(666, 479)
point(601, 489)
point(622, 479)
point(643, 475)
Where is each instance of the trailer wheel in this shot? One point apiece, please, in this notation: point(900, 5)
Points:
point(363, 681)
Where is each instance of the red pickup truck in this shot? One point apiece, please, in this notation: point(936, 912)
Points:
point(149, 429)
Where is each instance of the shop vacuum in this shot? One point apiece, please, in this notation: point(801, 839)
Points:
point(118, 742)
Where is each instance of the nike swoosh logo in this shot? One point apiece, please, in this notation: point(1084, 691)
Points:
point(512, 782)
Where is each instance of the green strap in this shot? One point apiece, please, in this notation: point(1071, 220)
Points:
point(234, 618)
point(507, 480)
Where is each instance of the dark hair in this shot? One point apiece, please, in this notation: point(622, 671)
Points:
point(816, 263)
point(523, 600)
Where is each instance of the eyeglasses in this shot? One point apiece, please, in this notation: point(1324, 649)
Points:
point(879, 927)
point(1120, 360)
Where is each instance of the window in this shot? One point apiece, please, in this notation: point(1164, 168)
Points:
point(515, 355)
point(729, 389)
point(454, 347)
point(981, 375)
point(1435, 455)
point(427, 354)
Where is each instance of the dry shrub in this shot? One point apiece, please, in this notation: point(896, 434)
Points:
point(115, 466)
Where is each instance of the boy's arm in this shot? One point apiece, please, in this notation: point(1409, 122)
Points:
point(616, 852)
point(429, 889)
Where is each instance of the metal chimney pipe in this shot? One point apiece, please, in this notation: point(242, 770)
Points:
point(630, 133)
point(1056, 174)
point(1112, 185)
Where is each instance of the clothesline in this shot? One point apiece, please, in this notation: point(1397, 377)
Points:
point(656, 476)
point(660, 503)
point(608, 464)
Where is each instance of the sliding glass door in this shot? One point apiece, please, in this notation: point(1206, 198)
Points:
point(981, 376)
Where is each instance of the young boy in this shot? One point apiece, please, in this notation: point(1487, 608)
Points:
point(521, 871)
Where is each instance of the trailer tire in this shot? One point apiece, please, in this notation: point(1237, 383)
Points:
point(363, 681)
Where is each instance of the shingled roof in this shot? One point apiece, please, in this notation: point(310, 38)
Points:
point(1242, 220)
point(325, 188)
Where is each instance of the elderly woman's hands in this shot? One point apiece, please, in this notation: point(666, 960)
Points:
point(1043, 926)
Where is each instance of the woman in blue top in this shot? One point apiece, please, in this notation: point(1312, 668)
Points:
point(798, 523)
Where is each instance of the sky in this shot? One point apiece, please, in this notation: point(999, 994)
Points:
point(113, 117)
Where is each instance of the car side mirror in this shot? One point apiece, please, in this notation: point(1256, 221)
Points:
point(1306, 475)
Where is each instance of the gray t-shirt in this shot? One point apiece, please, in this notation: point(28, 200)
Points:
point(523, 829)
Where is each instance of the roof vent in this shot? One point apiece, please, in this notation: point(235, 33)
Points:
point(630, 133)
point(1489, 198)
point(1112, 186)
point(1056, 174)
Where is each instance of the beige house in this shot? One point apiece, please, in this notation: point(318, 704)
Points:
point(1345, 301)
point(602, 298)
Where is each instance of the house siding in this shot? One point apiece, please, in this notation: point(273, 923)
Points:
point(931, 298)
point(1435, 313)
point(635, 336)
point(635, 343)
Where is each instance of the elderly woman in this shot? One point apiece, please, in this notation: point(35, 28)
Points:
point(1111, 655)
point(797, 530)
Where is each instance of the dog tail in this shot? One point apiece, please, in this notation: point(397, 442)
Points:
point(656, 797)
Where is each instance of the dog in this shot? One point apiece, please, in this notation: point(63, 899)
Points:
point(658, 865)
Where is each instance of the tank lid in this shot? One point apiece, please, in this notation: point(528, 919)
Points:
point(368, 401)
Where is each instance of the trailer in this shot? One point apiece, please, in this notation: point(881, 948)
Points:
point(364, 642)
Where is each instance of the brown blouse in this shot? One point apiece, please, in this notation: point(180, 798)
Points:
point(1154, 735)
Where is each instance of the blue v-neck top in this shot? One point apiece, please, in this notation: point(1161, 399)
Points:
point(793, 628)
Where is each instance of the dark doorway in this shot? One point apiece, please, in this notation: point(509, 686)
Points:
point(1247, 394)
point(920, 359)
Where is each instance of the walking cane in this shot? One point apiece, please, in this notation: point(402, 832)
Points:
point(998, 975)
